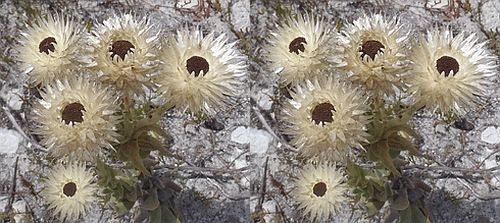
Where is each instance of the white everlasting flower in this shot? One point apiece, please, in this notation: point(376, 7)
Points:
point(319, 191)
point(326, 118)
point(372, 50)
point(50, 47)
point(69, 191)
point(122, 50)
point(200, 73)
point(76, 118)
point(299, 49)
point(449, 73)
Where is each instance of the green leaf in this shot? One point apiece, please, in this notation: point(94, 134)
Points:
point(151, 202)
point(118, 192)
point(120, 208)
point(168, 215)
point(131, 195)
point(149, 143)
point(375, 179)
point(405, 216)
point(418, 215)
point(381, 152)
point(338, 25)
point(407, 145)
point(104, 173)
point(387, 191)
point(371, 209)
point(131, 152)
point(400, 202)
point(126, 181)
point(413, 214)
point(88, 25)
point(155, 216)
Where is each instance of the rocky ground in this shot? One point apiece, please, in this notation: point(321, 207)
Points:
point(457, 196)
point(237, 167)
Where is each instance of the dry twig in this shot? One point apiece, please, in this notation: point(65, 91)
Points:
point(12, 197)
point(201, 169)
point(478, 194)
point(474, 191)
point(234, 197)
point(262, 188)
point(451, 169)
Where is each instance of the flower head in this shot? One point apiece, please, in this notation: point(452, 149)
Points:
point(372, 50)
point(76, 118)
point(448, 73)
point(69, 191)
point(200, 73)
point(299, 49)
point(319, 191)
point(122, 50)
point(326, 118)
point(49, 48)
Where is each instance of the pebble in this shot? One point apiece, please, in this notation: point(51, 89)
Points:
point(18, 207)
point(270, 208)
point(11, 96)
point(491, 135)
point(10, 140)
point(213, 124)
point(264, 99)
point(490, 15)
point(241, 8)
point(463, 124)
point(258, 139)
point(441, 129)
point(490, 163)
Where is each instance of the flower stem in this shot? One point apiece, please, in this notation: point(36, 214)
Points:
point(408, 113)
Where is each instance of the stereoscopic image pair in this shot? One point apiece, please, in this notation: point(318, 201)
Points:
point(249, 111)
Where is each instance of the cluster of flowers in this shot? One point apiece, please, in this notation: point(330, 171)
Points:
point(339, 79)
point(88, 78)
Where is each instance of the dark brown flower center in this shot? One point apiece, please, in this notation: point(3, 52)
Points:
point(121, 48)
point(323, 113)
point(197, 64)
point(297, 45)
point(69, 189)
point(447, 64)
point(73, 113)
point(319, 189)
point(47, 45)
point(371, 48)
